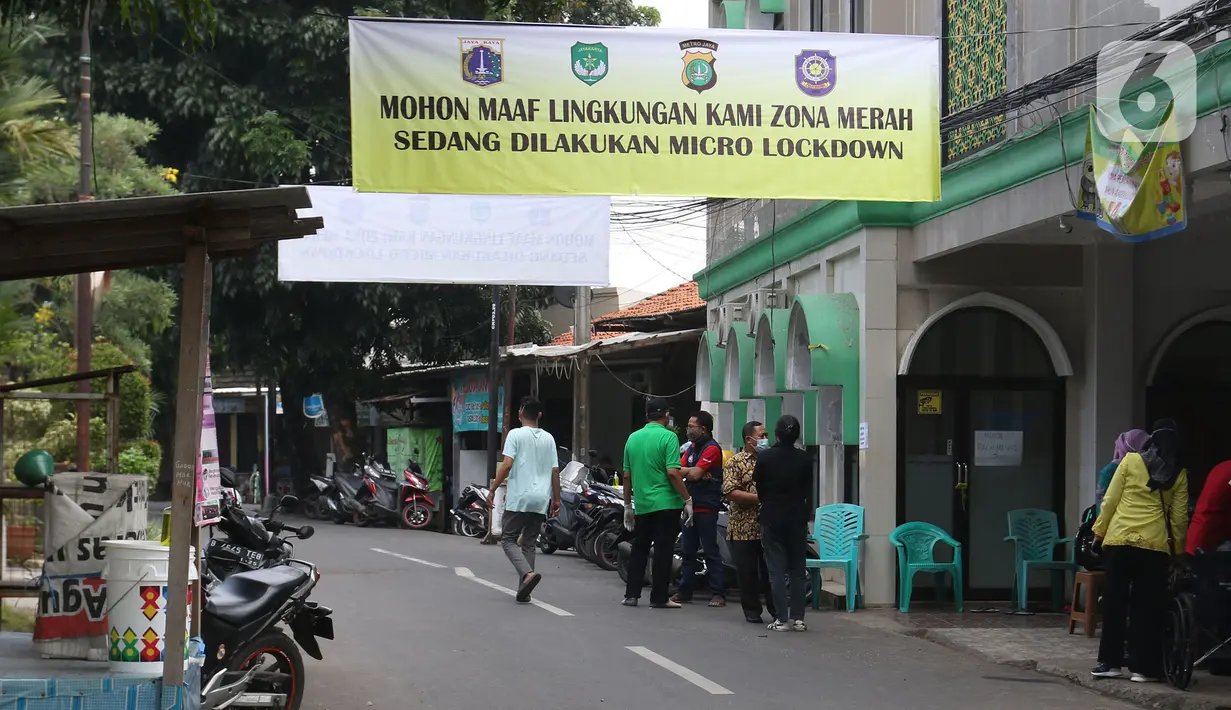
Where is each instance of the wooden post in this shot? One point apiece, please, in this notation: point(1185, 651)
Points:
point(113, 424)
point(186, 446)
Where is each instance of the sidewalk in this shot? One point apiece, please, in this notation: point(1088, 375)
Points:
point(1042, 643)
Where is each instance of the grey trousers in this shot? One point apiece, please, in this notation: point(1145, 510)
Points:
point(519, 535)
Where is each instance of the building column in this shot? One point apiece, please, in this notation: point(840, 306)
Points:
point(1104, 385)
point(878, 374)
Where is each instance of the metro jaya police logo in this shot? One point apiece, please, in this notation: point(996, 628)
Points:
point(816, 72)
point(590, 62)
point(482, 61)
point(699, 74)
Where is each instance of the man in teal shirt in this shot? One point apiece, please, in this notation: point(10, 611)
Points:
point(533, 471)
point(652, 479)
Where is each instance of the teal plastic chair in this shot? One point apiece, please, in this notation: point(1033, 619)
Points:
point(837, 530)
point(916, 545)
point(1035, 535)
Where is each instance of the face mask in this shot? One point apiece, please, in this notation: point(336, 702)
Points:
point(693, 433)
point(763, 443)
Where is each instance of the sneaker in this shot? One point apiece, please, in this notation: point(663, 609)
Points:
point(1142, 678)
point(799, 625)
point(667, 605)
point(629, 601)
point(779, 626)
point(1103, 670)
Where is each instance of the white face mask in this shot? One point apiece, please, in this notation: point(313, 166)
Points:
point(763, 443)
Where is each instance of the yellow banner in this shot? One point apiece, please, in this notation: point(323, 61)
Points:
point(482, 108)
point(1130, 188)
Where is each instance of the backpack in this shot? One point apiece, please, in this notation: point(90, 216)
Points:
point(1085, 552)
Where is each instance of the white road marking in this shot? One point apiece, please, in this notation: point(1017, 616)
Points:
point(465, 573)
point(696, 679)
point(416, 560)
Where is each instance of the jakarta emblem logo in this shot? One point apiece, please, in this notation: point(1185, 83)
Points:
point(590, 62)
point(816, 71)
point(482, 61)
point(699, 74)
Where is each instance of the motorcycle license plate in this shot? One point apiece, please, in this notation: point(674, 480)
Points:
point(248, 558)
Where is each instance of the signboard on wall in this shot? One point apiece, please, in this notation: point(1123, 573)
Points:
point(469, 394)
point(518, 109)
point(998, 448)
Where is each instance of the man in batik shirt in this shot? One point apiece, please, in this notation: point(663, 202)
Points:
point(743, 524)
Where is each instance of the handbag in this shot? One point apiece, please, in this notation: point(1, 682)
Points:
point(1085, 550)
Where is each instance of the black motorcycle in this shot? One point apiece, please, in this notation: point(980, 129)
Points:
point(380, 497)
point(320, 502)
point(249, 661)
point(251, 542)
point(470, 516)
point(346, 487)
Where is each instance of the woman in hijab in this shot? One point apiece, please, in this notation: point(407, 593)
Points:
point(1130, 442)
point(1141, 526)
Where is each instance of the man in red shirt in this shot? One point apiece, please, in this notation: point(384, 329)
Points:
point(701, 466)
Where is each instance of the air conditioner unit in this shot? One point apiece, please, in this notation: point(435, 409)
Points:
point(758, 303)
point(728, 315)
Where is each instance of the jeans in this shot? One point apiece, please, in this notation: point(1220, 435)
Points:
point(658, 529)
point(702, 533)
point(753, 577)
point(785, 546)
point(1136, 598)
point(518, 536)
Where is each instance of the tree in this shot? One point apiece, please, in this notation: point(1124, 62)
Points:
point(28, 137)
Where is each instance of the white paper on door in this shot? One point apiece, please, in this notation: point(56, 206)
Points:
point(998, 448)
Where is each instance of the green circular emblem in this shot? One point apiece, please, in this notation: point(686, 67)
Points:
point(699, 72)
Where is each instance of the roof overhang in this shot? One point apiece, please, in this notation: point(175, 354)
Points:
point(76, 237)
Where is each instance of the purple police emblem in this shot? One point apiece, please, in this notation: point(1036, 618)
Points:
point(816, 72)
point(482, 61)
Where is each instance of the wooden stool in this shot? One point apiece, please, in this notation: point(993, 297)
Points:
point(1089, 616)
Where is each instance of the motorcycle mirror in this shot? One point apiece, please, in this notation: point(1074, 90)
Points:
point(288, 502)
point(306, 532)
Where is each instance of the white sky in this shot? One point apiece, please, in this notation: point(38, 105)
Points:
point(682, 13)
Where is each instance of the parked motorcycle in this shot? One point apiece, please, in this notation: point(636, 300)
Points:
point(417, 505)
point(380, 497)
point(251, 542)
point(320, 502)
point(345, 493)
point(249, 660)
point(470, 514)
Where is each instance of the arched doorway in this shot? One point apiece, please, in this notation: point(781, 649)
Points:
point(981, 432)
point(1191, 383)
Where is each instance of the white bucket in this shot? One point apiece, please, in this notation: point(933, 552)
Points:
point(136, 573)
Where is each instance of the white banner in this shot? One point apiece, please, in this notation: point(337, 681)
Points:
point(459, 239)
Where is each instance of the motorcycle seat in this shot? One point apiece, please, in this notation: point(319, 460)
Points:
point(246, 596)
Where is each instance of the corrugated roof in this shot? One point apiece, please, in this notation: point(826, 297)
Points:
point(567, 338)
point(615, 342)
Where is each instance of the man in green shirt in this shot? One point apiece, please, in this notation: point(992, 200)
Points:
point(652, 478)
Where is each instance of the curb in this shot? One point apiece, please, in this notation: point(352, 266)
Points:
point(1160, 697)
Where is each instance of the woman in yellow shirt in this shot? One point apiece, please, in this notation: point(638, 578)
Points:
point(1141, 526)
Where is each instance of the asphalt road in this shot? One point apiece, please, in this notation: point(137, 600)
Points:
point(427, 627)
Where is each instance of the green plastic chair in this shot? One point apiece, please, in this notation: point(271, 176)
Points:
point(916, 543)
point(1035, 535)
point(837, 530)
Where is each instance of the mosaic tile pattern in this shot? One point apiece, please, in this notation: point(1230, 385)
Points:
point(976, 69)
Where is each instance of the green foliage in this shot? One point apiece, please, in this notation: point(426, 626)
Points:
point(119, 169)
point(61, 438)
point(142, 457)
point(135, 311)
point(272, 148)
point(28, 137)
